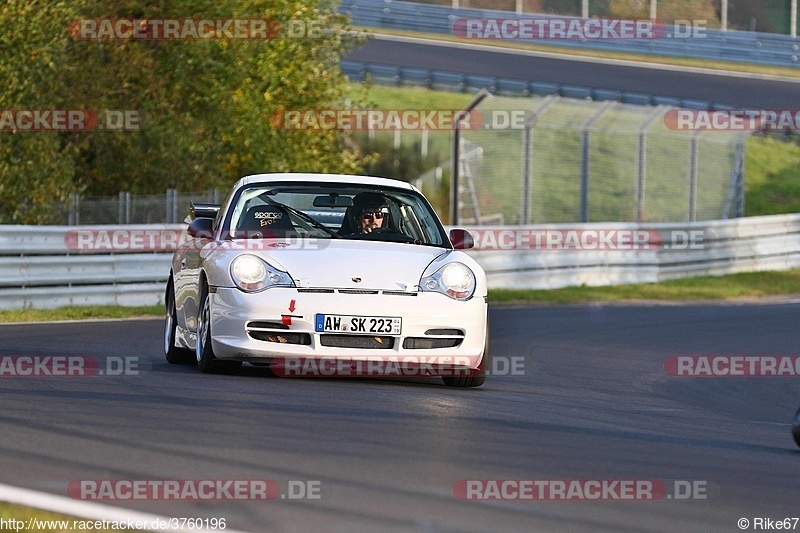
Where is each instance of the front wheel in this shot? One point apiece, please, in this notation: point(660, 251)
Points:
point(472, 378)
point(206, 360)
point(174, 354)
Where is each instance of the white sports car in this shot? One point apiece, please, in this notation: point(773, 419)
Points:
point(332, 275)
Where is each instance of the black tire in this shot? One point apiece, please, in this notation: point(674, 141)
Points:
point(473, 378)
point(204, 352)
point(174, 354)
point(796, 428)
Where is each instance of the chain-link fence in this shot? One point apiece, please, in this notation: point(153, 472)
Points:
point(169, 208)
point(568, 160)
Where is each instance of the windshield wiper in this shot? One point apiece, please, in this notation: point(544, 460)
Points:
point(304, 216)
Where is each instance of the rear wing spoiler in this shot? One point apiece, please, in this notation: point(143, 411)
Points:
point(203, 211)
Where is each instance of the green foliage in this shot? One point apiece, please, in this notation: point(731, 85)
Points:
point(772, 169)
point(204, 106)
point(668, 10)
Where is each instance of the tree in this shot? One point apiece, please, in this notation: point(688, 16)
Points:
point(204, 106)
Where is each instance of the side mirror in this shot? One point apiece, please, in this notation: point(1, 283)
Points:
point(461, 239)
point(202, 228)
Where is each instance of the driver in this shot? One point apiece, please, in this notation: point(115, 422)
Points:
point(371, 211)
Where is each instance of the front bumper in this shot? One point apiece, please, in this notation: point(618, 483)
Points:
point(233, 310)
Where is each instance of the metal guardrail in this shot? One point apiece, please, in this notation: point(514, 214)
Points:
point(728, 247)
point(735, 46)
point(444, 80)
point(65, 276)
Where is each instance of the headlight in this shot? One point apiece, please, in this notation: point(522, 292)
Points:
point(252, 274)
point(453, 279)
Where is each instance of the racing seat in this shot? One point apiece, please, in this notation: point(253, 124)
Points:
point(265, 222)
point(348, 227)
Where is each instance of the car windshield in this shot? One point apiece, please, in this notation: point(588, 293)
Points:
point(335, 211)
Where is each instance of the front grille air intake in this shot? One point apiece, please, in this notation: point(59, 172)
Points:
point(303, 339)
point(360, 342)
point(444, 331)
point(428, 343)
point(318, 291)
point(357, 291)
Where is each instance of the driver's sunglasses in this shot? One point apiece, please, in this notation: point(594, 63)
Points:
point(377, 215)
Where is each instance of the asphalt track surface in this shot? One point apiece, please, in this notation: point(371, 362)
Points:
point(594, 403)
point(749, 92)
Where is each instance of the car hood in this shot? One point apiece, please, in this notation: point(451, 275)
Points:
point(343, 263)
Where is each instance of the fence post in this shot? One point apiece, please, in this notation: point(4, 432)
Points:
point(124, 207)
point(169, 201)
point(527, 156)
point(693, 162)
point(740, 190)
point(585, 152)
point(175, 214)
point(455, 152)
point(72, 209)
point(641, 162)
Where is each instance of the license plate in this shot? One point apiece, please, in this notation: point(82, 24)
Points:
point(368, 325)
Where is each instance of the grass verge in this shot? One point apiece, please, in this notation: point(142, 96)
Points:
point(79, 313)
point(750, 285)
